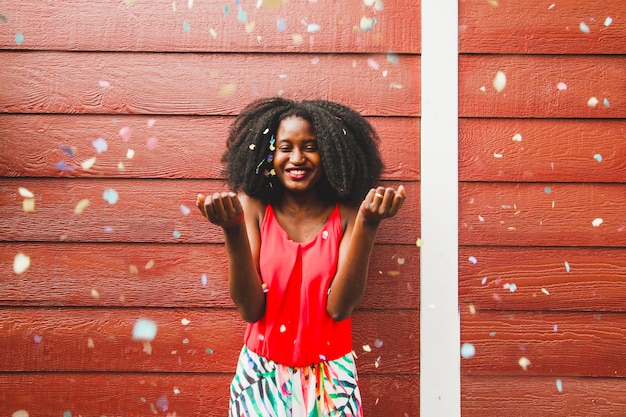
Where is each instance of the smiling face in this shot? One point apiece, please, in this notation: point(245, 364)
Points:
point(297, 160)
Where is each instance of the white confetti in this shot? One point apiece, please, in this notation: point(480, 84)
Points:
point(584, 28)
point(517, 137)
point(88, 163)
point(21, 263)
point(592, 102)
point(26, 193)
point(524, 363)
point(561, 86)
point(100, 145)
point(567, 267)
point(499, 81)
point(144, 330)
point(473, 260)
point(185, 210)
point(81, 206)
point(608, 21)
point(597, 222)
point(185, 321)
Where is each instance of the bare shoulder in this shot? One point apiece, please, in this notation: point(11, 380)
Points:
point(348, 214)
point(253, 209)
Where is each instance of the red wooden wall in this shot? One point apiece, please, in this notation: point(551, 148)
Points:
point(542, 221)
point(113, 116)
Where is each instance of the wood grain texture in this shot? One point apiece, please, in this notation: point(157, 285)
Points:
point(167, 275)
point(539, 27)
point(542, 214)
point(552, 150)
point(216, 26)
point(540, 279)
point(555, 343)
point(203, 84)
point(146, 211)
point(533, 82)
point(516, 396)
point(187, 340)
point(46, 145)
point(149, 394)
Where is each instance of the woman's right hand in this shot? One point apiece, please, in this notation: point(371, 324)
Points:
point(223, 209)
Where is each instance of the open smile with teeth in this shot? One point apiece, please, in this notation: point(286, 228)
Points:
point(297, 172)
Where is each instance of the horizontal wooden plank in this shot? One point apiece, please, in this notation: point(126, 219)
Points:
point(270, 26)
point(537, 278)
point(557, 86)
point(187, 340)
point(157, 210)
point(167, 275)
point(539, 27)
point(162, 146)
point(542, 214)
point(550, 343)
point(218, 83)
point(555, 396)
point(174, 394)
point(559, 150)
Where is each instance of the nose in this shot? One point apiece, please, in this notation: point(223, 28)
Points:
point(296, 156)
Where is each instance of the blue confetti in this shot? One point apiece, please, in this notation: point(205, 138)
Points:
point(67, 150)
point(468, 350)
point(176, 234)
point(567, 268)
point(606, 103)
point(62, 166)
point(19, 38)
point(67, 414)
point(312, 27)
point(513, 287)
point(110, 195)
point(598, 157)
point(100, 145)
point(225, 10)
point(393, 58)
point(242, 16)
point(473, 260)
point(281, 25)
point(186, 26)
point(559, 385)
point(547, 190)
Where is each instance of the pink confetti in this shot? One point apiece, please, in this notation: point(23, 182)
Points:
point(152, 143)
point(561, 86)
point(373, 64)
point(125, 133)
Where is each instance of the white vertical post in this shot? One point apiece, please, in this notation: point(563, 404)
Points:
point(440, 376)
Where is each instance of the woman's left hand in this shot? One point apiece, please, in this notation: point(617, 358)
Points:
point(381, 203)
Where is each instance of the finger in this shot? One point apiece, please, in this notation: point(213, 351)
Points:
point(379, 198)
point(200, 199)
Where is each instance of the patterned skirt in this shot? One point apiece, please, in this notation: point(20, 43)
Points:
point(261, 387)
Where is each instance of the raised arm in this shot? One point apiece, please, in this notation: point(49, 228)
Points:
point(349, 283)
point(238, 218)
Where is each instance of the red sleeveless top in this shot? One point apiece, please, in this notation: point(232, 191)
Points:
point(296, 329)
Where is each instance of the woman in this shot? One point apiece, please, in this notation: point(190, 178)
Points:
point(299, 226)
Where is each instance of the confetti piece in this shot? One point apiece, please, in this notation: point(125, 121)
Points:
point(100, 145)
point(524, 363)
point(493, 3)
point(592, 102)
point(104, 84)
point(203, 280)
point(189, 4)
point(110, 195)
point(19, 38)
point(21, 263)
point(499, 81)
point(20, 413)
point(28, 205)
point(281, 24)
point(133, 269)
point(419, 243)
point(497, 155)
point(176, 234)
point(25, 192)
point(608, 21)
point(561, 86)
point(283, 329)
point(584, 28)
point(513, 287)
point(367, 348)
point(130, 154)
point(377, 362)
point(598, 157)
point(468, 350)
point(367, 24)
point(152, 143)
point(62, 166)
point(545, 291)
point(149, 264)
point(37, 339)
point(185, 210)
point(597, 222)
point(227, 90)
point(185, 321)
point(88, 163)
point(297, 39)
point(473, 260)
point(95, 293)
point(186, 26)
point(242, 16)
point(559, 385)
point(144, 330)
point(606, 103)
point(555, 328)
point(517, 137)
point(125, 133)
point(312, 27)
point(81, 206)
